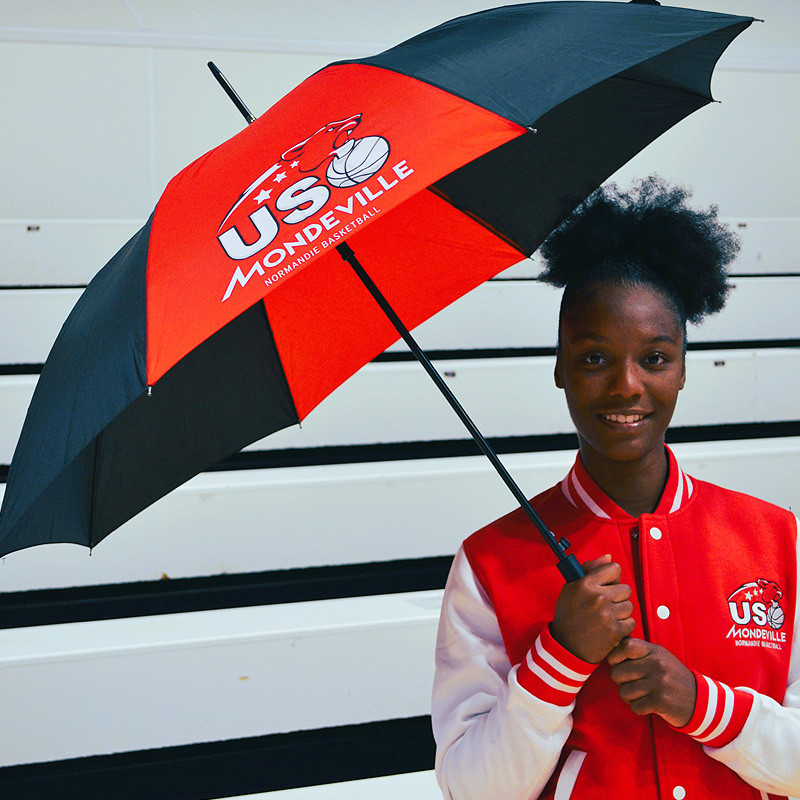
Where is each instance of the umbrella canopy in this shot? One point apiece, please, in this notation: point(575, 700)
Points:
point(231, 315)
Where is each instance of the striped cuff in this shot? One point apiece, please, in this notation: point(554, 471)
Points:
point(551, 672)
point(719, 713)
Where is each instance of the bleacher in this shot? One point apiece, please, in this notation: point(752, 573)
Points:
point(267, 629)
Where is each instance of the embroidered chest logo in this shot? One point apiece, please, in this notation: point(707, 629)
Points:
point(757, 615)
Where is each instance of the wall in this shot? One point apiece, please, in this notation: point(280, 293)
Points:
point(104, 102)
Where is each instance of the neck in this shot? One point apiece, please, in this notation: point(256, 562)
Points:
point(635, 486)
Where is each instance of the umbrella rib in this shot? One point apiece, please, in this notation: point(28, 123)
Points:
point(568, 565)
point(95, 488)
point(435, 190)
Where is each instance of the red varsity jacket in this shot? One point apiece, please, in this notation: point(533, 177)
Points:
point(717, 587)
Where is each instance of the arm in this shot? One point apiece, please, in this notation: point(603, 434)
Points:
point(499, 730)
point(765, 751)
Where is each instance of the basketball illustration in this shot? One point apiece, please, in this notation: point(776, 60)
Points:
point(775, 616)
point(357, 160)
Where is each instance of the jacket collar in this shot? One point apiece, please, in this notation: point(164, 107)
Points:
point(585, 495)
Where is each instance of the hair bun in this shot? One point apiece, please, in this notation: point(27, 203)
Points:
point(649, 226)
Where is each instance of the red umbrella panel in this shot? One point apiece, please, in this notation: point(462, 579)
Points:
point(440, 163)
point(359, 176)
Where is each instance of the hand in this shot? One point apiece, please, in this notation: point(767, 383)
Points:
point(593, 614)
point(653, 681)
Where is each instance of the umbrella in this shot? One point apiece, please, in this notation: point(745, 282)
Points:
point(237, 309)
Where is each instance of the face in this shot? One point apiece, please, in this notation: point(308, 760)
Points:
point(621, 365)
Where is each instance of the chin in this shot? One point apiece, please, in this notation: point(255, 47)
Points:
point(625, 452)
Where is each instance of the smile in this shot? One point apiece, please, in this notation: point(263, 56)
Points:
point(624, 419)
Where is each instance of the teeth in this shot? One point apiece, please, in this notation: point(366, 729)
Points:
point(625, 418)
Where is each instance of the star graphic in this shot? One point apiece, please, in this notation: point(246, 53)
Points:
point(263, 195)
point(748, 596)
point(295, 163)
point(279, 177)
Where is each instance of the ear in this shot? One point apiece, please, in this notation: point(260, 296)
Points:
point(683, 374)
point(557, 372)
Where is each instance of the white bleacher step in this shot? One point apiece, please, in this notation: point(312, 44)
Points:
point(266, 519)
point(512, 314)
point(122, 685)
point(416, 785)
point(769, 245)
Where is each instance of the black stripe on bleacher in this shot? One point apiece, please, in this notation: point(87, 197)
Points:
point(452, 448)
point(505, 445)
point(20, 369)
point(35, 287)
point(732, 276)
point(732, 432)
point(171, 596)
point(392, 451)
point(463, 355)
point(231, 768)
point(749, 344)
point(528, 352)
point(389, 451)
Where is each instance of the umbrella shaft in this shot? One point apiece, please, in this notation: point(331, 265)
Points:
point(568, 564)
point(231, 92)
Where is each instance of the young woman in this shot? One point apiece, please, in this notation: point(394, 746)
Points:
point(671, 670)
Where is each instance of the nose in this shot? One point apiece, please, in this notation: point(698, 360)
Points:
point(625, 380)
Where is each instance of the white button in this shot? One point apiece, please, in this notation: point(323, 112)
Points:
point(663, 612)
point(656, 533)
point(679, 793)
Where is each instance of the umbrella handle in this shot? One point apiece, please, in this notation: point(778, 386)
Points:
point(570, 568)
point(568, 565)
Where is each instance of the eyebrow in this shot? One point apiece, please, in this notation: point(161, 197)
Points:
point(596, 337)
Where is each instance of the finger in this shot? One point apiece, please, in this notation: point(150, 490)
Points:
point(619, 592)
point(628, 649)
point(612, 615)
point(646, 704)
point(593, 564)
point(607, 574)
point(624, 628)
point(639, 699)
point(623, 610)
point(627, 627)
point(628, 671)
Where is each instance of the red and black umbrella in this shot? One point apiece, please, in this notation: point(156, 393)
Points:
point(236, 309)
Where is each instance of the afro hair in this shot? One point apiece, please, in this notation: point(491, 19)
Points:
point(646, 235)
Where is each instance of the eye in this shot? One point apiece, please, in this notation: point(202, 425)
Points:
point(594, 359)
point(655, 359)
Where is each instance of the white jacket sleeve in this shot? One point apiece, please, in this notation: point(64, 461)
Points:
point(766, 753)
point(495, 738)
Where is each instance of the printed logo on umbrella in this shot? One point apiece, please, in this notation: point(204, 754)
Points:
point(330, 160)
point(757, 615)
